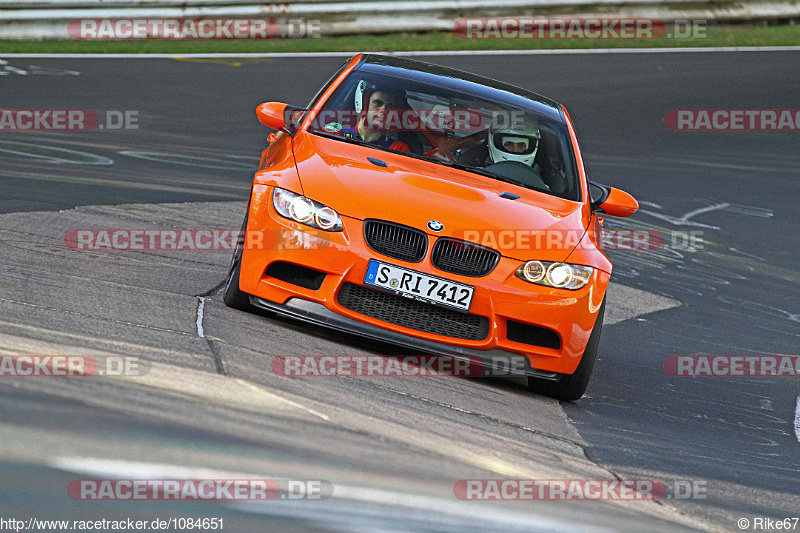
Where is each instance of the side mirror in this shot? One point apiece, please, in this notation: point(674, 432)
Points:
point(611, 201)
point(272, 115)
point(279, 116)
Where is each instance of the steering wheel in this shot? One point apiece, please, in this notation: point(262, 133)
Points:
point(520, 172)
point(443, 145)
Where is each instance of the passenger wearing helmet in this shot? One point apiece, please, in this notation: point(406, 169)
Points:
point(373, 106)
point(514, 142)
point(510, 151)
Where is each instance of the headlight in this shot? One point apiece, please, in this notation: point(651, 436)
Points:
point(533, 271)
point(326, 218)
point(305, 210)
point(301, 209)
point(558, 275)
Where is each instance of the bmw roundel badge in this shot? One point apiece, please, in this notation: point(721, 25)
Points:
point(435, 225)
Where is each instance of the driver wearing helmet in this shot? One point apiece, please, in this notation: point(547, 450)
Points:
point(514, 142)
point(374, 105)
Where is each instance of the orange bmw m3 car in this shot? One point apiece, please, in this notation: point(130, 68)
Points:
point(434, 209)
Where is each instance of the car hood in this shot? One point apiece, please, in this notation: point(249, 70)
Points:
point(413, 192)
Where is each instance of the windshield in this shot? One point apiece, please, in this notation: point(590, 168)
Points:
point(452, 128)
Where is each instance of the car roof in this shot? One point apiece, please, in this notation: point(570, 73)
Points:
point(460, 81)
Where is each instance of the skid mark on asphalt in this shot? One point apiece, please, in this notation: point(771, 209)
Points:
point(757, 429)
point(6, 69)
point(688, 263)
point(53, 154)
point(686, 218)
point(117, 182)
point(190, 160)
point(757, 309)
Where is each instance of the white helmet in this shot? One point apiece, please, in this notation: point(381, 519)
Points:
point(524, 135)
point(363, 89)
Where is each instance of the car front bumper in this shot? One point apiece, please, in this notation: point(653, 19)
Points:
point(343, 257)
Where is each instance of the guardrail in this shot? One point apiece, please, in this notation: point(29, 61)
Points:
point(48, 19)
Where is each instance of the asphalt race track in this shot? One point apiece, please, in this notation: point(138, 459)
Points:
point(209, 405)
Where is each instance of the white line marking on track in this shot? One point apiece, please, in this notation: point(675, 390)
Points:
point(200, 307)
point(797, 419)
point(432, 53)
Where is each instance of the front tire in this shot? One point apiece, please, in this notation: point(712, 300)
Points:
point(234, 297)
point(571, 387)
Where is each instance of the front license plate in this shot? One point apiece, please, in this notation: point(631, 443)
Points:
point(419, 286)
